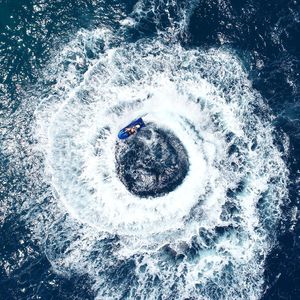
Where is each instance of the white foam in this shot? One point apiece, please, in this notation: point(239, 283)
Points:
point(204, 97)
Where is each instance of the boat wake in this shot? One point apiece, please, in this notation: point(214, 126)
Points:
point(186, 208)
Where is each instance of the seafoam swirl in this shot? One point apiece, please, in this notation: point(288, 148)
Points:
point(208, 237)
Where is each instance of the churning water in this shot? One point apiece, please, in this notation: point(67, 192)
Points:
point(189, 208)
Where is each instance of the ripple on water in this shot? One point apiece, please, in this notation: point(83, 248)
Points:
point(212, 160)
point(151, 163)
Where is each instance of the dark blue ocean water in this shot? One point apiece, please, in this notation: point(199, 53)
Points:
point(265, 37)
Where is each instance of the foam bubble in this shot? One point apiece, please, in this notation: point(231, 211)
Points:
point(206, 239)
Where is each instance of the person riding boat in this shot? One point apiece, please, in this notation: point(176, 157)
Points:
point(133, 129)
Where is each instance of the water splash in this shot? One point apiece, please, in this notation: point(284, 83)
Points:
point(208, 238)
